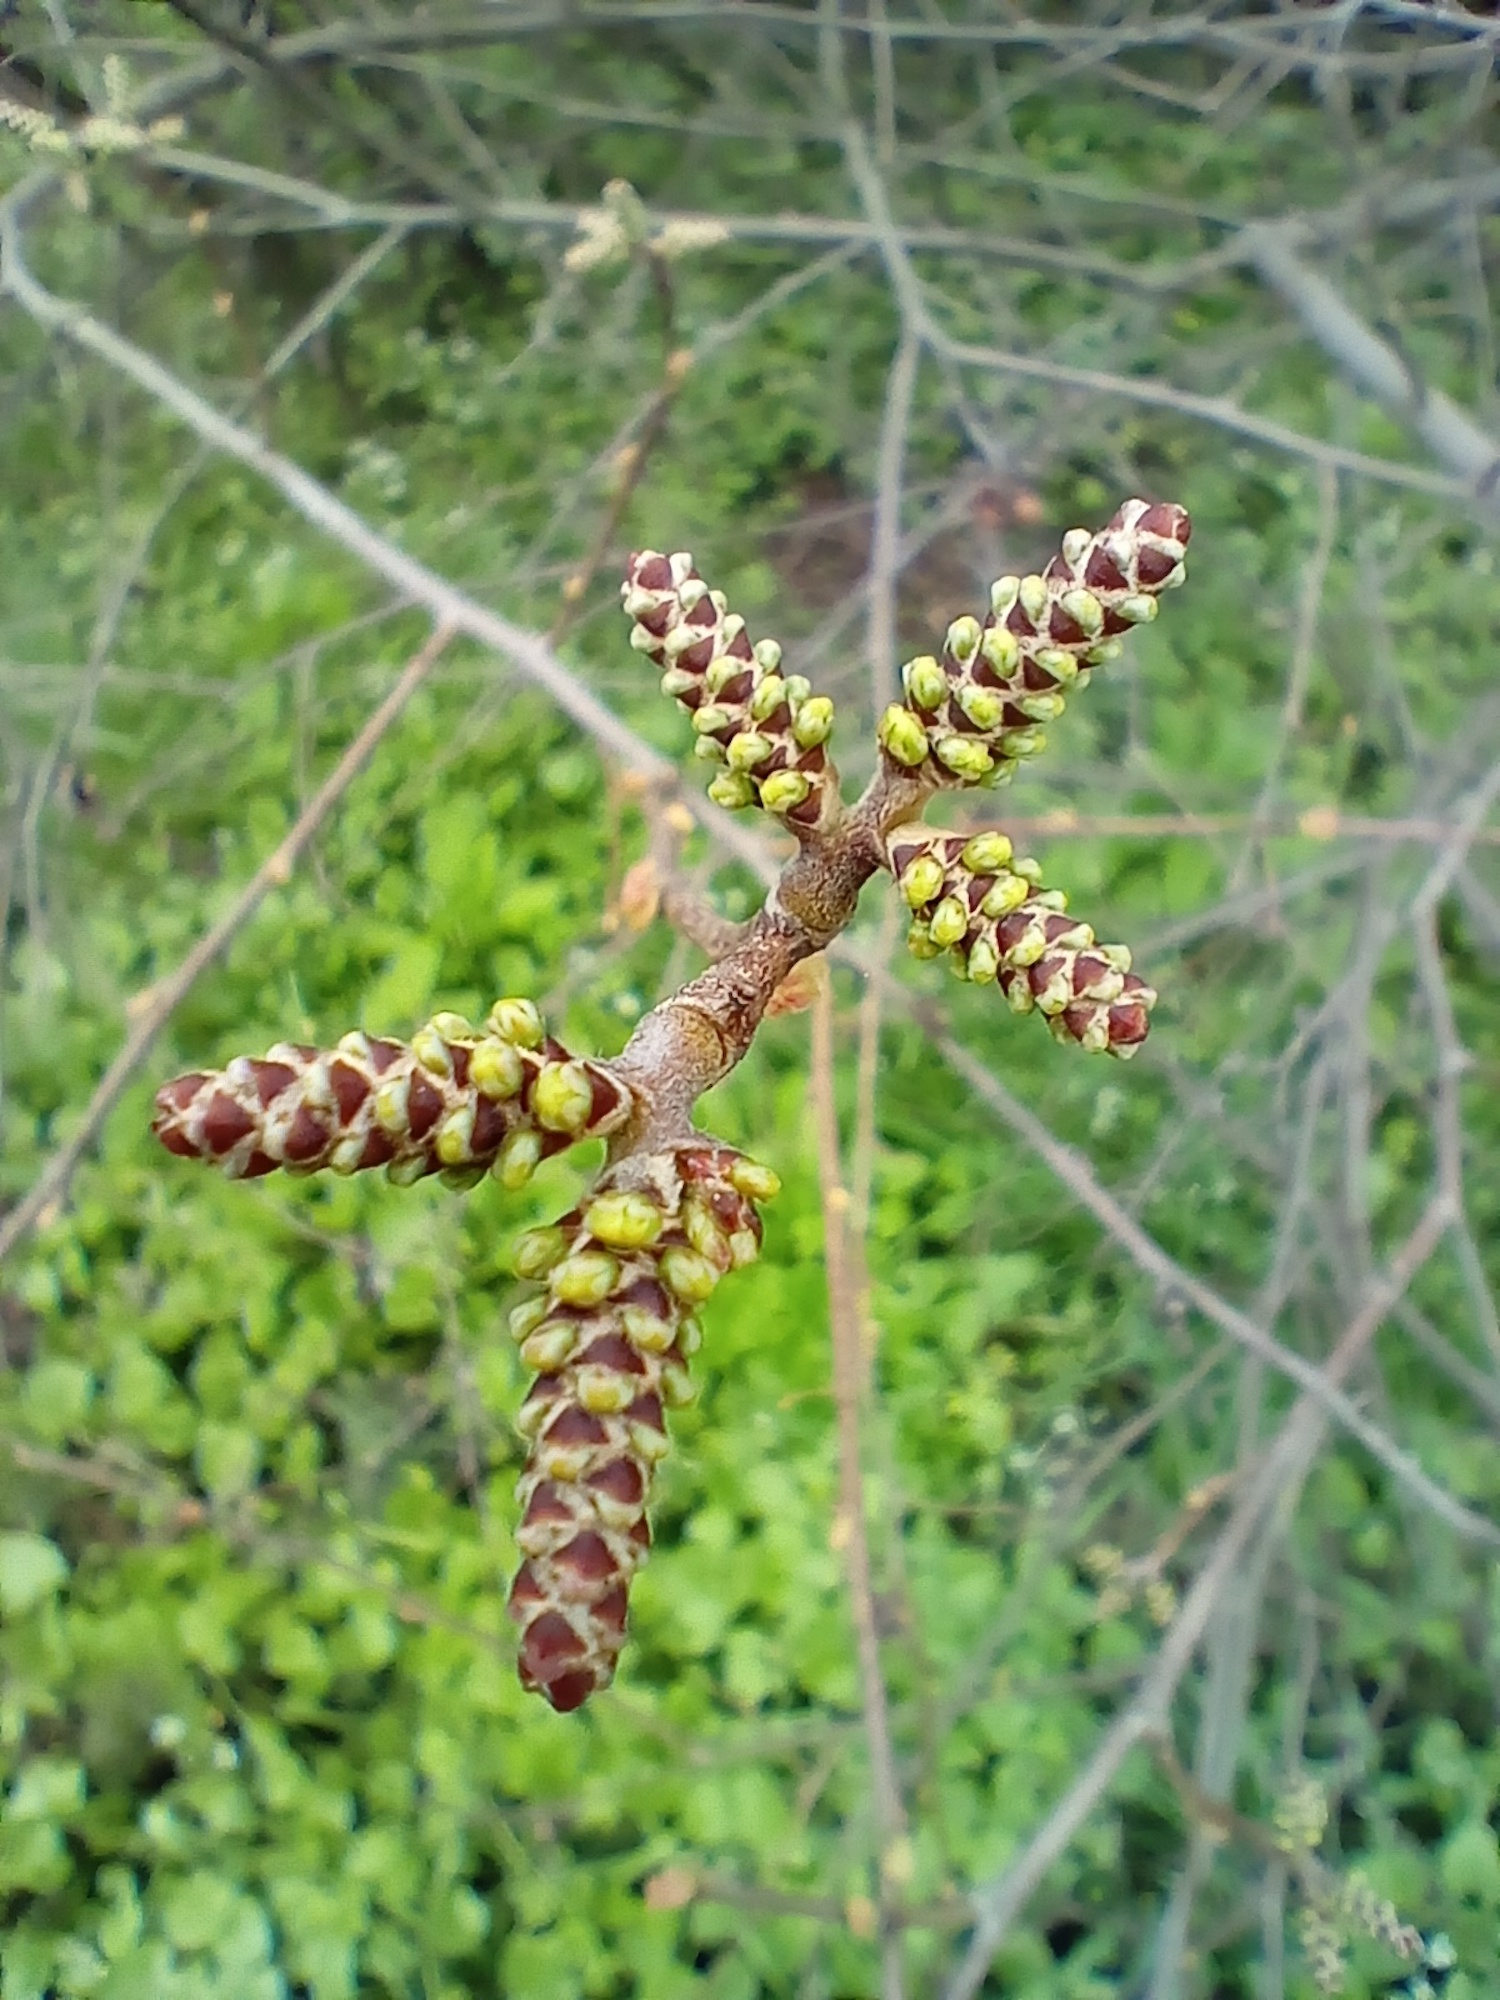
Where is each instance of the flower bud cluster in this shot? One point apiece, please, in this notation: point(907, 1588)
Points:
point(765, 730)
point(972, 898)
point(610, 1339)
point(455, 1100)
point(970, 717)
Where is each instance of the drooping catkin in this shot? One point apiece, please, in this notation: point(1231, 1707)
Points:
point(610, 1338)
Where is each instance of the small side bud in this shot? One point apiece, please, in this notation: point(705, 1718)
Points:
point(921, 880)
point(967, 758)
point(925, 682)
point(623, 1221)
point(987, 853)
point(962, 639)
point(517, 1021)
point(783, 790)
point(902, 736)
point(814, 724)
point(562, 1097)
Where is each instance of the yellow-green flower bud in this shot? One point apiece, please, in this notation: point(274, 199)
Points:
point(623, 1220)
point(919, 941)
point(705, 1235)
point(516, 1161)
point(585, 1279)
point(1003, 593)
point(688, 1274)
point(1008, 893)
point(711, 717)
point(406, 1173)
point(987, 853)
point(966, 757)
point(984, 962)
point(753, 1181)
point(496, 1070)
point(453, 1027)
point(1104, 652)
point(517, 1021)
point(646, 1330)
point(950, 920)
point(347, 1153)
point(1033, 595)
point(798, 688)
point(814, 724)
point(390, 1104)
point(453, 1142)
point(648, 1443)
point(1025, 742)
point(709, 750)
point(527, 1317)
point(1001, 649)
point(733, 790)
point(768, 653)
point(1041, 707)
point(677, 1386)
point(677, 681)
point(1059, 662)
point(902, 736)
point(532, 1414)
point(1075, 546)
point(962, 639)
point(1137, 610)
point(537, 1250)
point(430, 1050)
point(603, 1392)
point(921, 880)
point(550, 1345)
point(783, 790)
point(767, 698)
point(743, 1248)
point(722, 670)
point(748, 749)
point(562, 1097)
point(1084, 609)
point(984, 706)
point(690, 1334)
point(925, 682)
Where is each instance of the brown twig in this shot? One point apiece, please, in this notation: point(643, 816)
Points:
point(155, 1007)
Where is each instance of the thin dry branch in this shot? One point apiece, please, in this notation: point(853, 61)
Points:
point(1274, 1485)
point(851, 1532)
point(155, 1008)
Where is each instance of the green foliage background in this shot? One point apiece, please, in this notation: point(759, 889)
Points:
point(259, 1726)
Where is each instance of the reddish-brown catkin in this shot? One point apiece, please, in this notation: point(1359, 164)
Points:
point(455, 1100)
point(973, 715)
point(611, 1339)
point(766, 731)
point(973, 899)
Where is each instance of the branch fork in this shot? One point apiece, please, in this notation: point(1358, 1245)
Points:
point(612, 1331)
